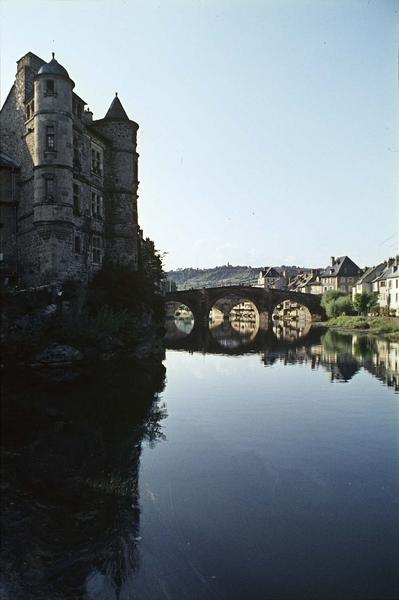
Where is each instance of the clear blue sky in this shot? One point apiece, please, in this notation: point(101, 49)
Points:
point(268, 129)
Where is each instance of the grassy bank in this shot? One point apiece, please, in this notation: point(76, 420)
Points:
point(387, 326)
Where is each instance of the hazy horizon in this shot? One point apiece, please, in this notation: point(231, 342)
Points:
point(268, 129)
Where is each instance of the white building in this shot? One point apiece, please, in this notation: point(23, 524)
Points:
point(387, 287)
point(365, 283)
point(392, 288)
point(269, 278)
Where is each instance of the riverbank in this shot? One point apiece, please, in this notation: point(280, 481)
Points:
point(38, 331)
point(387, 327)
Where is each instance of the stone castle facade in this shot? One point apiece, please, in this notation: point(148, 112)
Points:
point(68, 183)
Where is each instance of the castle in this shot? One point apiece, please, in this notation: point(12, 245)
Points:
point(68, 183)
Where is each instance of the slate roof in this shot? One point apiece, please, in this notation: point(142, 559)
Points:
point(392, 271)
point(270, 272)
point(116, 111)
point(343, 267)
point(310, 278)
point(372, 273)
point(382, 275)
point(53, 68)
point(303, 279)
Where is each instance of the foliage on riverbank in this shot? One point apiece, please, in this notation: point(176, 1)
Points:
point(336, 303)
point(120, 311)
point(377, 325)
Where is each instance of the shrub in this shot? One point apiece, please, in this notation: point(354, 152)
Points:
point(365, 302)
point(336, 303)
point(120, 288)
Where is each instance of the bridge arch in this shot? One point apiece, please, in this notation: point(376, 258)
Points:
point(291, 309)
point(225, 302)
point(309, 304)
point(200, 301)
point(179, 319)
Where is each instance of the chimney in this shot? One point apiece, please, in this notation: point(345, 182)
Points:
point(332, 260)
point(397, 260)
point(87, 116)
point(391, 261)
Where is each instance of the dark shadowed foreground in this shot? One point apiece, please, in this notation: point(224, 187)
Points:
point(70, 498)
point(275, 475)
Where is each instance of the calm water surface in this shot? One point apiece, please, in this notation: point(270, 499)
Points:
point(264, 467)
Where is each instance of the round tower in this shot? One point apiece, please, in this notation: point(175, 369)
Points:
point(121, 183)
point(53, 164)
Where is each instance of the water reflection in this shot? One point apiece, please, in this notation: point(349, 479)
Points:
point(342, 355)
point(70, 509)
point(70, 501)
point(291, 330)
point(233, 334)
point(178, 329)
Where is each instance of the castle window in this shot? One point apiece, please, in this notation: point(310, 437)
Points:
point(76, 160)
point(96, 205)
point(50, 88)
point(77, 108)
point(76, 155)
point(49, 187)
point(76, 203)
point(96, 247)
point(77, 245)
point(96, 162)
point(30, 109)
point(50, 138)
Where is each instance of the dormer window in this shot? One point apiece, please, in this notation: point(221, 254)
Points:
point(50, 87)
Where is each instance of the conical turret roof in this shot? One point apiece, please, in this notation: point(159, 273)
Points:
point(116, 110)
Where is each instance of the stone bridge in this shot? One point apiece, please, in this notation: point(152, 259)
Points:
point(201, 301)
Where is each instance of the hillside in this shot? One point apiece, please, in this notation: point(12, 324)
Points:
point(218, 276)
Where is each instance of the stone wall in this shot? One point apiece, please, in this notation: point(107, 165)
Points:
point(121, 186)
point(55, 237)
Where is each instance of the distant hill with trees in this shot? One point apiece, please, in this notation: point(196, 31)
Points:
point(218, 276)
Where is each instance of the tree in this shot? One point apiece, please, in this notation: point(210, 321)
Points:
point(336, 303)
point(365, 302)
point(329, 296)
point(151, 263)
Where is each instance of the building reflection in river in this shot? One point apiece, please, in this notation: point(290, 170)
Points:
point(342, 355)
point(70, 503)
point(233, 334)
point(70, 511)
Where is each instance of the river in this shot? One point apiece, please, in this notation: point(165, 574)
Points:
point(261, 466)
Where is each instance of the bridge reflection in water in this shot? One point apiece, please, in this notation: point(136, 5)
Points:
point(231, 334)
point(342, 355)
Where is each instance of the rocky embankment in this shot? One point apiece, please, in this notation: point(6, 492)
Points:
point(39, 330)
